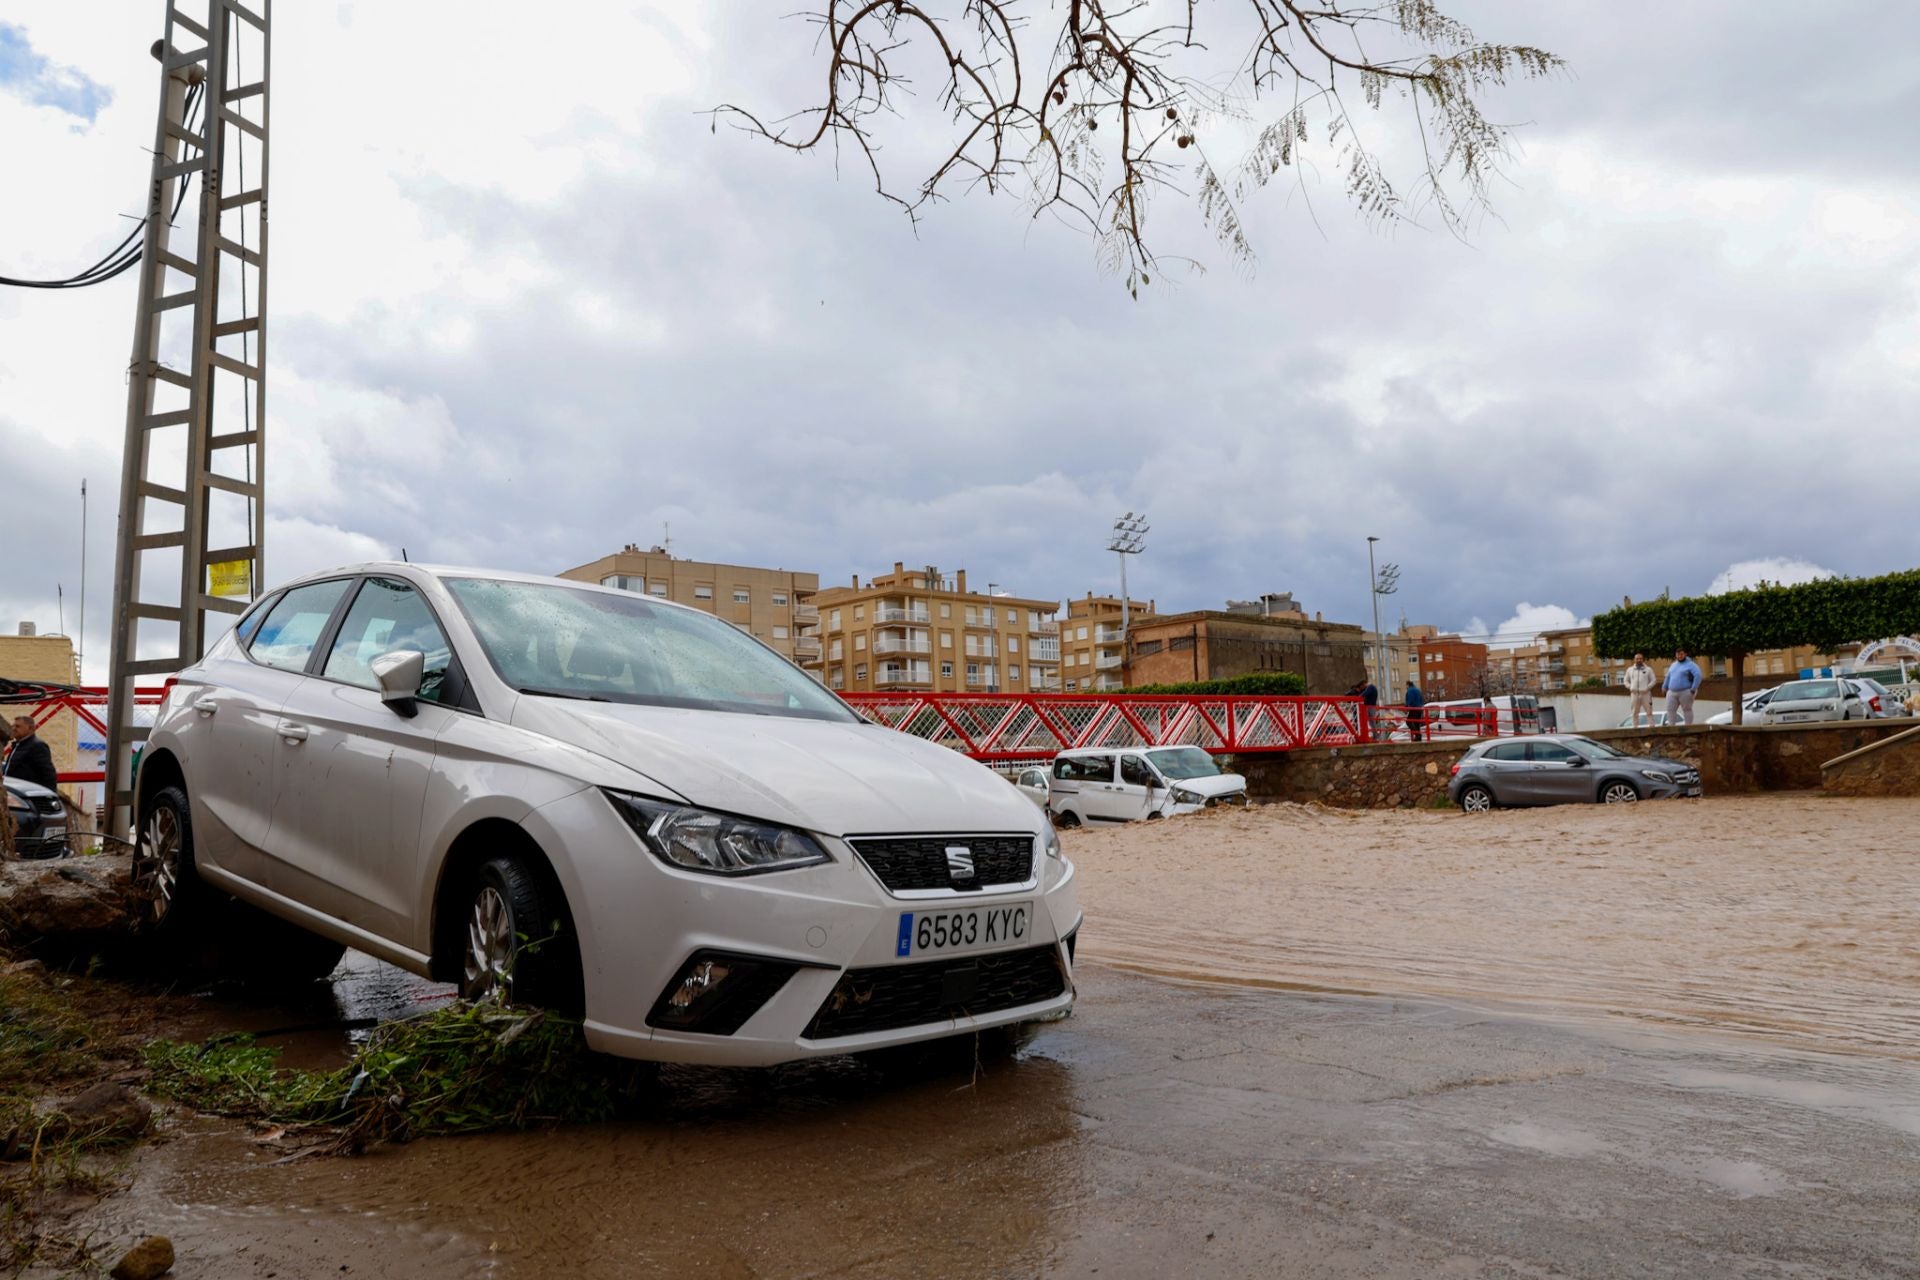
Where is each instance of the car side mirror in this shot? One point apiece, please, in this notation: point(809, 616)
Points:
point(399, 674)
point(1578, 762)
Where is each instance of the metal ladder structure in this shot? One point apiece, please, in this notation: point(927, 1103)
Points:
point(189, 467)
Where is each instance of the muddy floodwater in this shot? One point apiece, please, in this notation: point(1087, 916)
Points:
point(1794, 917)
point(1657, 1041)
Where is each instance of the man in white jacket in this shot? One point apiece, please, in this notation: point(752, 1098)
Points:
point(1640, 680)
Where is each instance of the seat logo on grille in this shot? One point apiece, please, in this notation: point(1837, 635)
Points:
point(960, 862)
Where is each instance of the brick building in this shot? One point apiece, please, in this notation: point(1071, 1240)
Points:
point(1214, 644)
point(1450, 668)
point(37, 659)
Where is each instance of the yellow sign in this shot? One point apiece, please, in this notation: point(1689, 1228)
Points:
point(231, 578)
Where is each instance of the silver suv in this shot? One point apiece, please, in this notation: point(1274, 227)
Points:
point(1563, 768)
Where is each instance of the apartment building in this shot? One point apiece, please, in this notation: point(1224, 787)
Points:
point(918, 630)
point(1092, 652)
point(773, 605)
point(1452, 668)
point(1393, 658)
point(31, 658)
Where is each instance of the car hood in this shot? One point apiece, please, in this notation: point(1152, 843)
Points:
point(1649, 762)
point(1220, 784)
point(27, 790)
point(833, 777)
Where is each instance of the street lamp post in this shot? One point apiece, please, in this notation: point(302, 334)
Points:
point(1129, 539)
point(1382, 582)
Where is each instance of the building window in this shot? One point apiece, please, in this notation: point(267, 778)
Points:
point(780, 599)
point(1013, 644)
point(859, 613)
point(741, 596)
point(1080, 634)
point(834, 652)
point(656, 588)
point(860, 672)
point(946, 671)
point(1072, 685)
point(779, 633)
point(946, 639)
point(946, 610)
point(1013, 672)
point(703, 593)
point(1180, 642)
point(860, 643)
point(1013, 615)
point(833, 620)
point(1146, 647)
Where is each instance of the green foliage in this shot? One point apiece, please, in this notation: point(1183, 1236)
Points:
point(42, 1037)
point(1257, 684)
point(1824, 614)
point(464, 1068)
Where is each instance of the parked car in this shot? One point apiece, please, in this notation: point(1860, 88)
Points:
point(1881, 701)
point(1124, 784)
point(1753, 706)
point(719, 861)
point(1659, 721)
point(1032, 782)
point(1563, 768)
point(39, 820)
point(1803, 701)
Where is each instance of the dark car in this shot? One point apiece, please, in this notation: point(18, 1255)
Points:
point(1563, 768)
point(39, 820)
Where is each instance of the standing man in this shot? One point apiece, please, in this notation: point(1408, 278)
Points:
point(1640, 680)
point(31, 759)
point(1416, 710)
point(1370, 696)
point(1683, 681)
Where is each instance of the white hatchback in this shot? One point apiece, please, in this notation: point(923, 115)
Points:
point(589, 799)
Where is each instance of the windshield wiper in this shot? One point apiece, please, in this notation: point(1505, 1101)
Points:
point(563, 693)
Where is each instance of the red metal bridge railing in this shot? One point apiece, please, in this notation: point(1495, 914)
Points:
point(88, 703)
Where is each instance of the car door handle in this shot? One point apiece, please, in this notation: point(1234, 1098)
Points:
point(206, 706)
point(293, 732)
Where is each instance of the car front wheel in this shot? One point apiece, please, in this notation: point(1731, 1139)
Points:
point(517, 941)
point(1476, 799)
point(1619, 793)
point(163, 875)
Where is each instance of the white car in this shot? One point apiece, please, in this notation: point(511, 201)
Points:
point(1033, 784)
point(1754, 705)
point(718, 861)
point(1804, 701)
point(1124, 784)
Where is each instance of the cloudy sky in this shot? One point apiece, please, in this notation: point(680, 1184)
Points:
point(527, 306)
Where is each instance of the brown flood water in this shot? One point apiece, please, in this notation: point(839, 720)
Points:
point(1794, 917)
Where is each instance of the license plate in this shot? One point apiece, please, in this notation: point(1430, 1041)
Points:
point(53, 833)
point(969, 929)
point(1693, 791)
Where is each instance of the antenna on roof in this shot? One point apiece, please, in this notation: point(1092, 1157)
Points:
point(403, 556)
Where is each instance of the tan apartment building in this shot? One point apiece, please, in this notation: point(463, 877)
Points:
point(916, 630)
point(38, 659)
point(775, 606)
point(1092, 652)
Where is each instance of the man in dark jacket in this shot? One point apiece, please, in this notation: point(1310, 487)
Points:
point(1416, 710)
point(31, 759)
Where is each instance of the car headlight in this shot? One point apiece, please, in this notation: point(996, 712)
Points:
point(1182, 796)
point(716, 843)
point(1656, 775)
point(1051, 842)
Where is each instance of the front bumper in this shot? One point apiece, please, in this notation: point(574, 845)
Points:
point(641, 922)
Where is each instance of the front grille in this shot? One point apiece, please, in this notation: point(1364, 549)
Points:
point(49, 804)
point(920, 862)
point(910, 995)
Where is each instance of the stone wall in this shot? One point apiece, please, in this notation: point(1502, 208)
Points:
point(1731, 761)
point(1890, 767)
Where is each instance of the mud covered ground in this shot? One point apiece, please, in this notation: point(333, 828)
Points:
point(1668, 1040)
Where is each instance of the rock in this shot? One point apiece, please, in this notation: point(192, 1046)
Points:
point(107, 1110)
point(151, 1258)
point(62, 898)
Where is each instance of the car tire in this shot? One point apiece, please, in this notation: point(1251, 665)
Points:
point(1619, 791)
point(517, 944)
point(1066, 819)
point(170, 892)
point(1475, 798)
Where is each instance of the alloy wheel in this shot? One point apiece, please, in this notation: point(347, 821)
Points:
point(157, 863)
point(489, 960)
point(1476, 801)
point(1619, 793)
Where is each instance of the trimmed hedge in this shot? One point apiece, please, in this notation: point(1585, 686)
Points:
point(1824, 614)
point(1256, 684)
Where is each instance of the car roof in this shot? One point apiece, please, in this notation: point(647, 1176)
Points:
point(442, 572)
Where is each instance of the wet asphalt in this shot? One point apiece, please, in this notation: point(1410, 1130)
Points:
point(1164, 1130)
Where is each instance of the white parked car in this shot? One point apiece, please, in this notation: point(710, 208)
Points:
point(1804, 701)
point(719, 861)
point(1754, 705)
point(1124, 784)
point(1032, 782)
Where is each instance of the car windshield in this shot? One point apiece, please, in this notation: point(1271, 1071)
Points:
point(1594, 750)
point(609, 646)
point(1181, 763)
point(1807, 691)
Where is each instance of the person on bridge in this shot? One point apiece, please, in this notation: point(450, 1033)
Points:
point(1416, 711)
point(1640, 679)
point(31, 760)
point(1683, 682)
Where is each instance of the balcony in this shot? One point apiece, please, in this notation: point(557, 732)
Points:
point(904, 675)
point(806, 614)
point(1044, 684)
point(981, 621)
point(1046, 629)
point(978, 649)
point(1108, 661)
point(1041, 652)
point(986, 678)
point(1108, 635)
point(1107, 684)
point(894, 613)
point(902, 644)
point(807, 648)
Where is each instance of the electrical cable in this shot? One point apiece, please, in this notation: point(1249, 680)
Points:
point(128, 252)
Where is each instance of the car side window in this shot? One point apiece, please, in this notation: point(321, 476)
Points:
point(1134, 772)
point(1507, 751)
point(291, 628)
point(386, 616)
point(1550, 753)
point(250, 625)
point(1084, 768)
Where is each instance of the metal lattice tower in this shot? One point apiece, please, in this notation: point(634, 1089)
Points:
point(192, 474)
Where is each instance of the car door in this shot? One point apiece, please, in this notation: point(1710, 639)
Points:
point(1137, 792)
point(1098, 788)
point(1508, 772)
point(232, 740)
point(1558, 774)
point(353, 772)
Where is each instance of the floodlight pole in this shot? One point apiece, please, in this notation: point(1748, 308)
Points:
point(1129, 539)
point(1373, 593)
